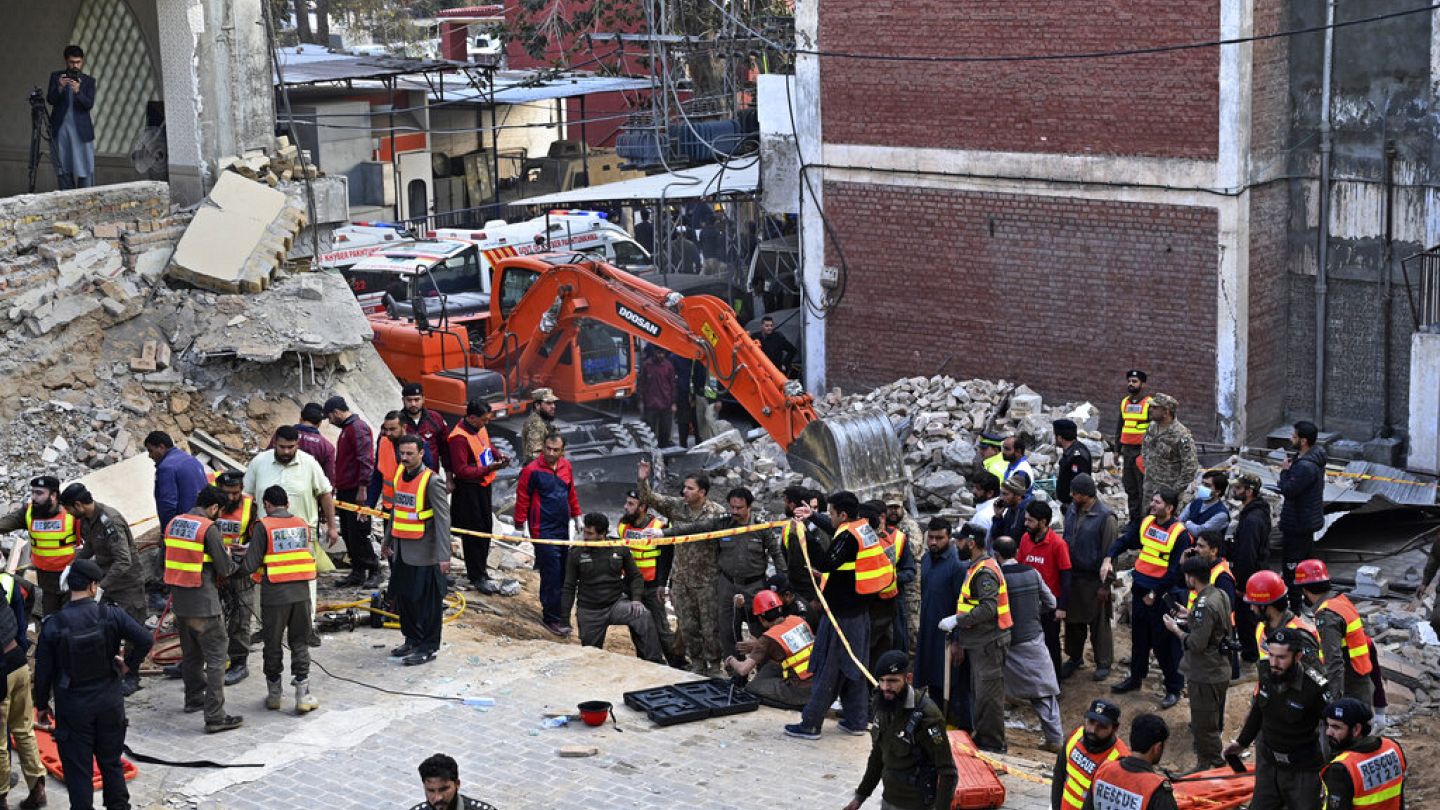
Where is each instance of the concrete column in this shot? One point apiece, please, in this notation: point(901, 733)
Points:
point(219, 94)
point(1424, 403)
point(810, 143)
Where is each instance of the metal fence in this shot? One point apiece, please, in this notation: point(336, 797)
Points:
point(1422, 288)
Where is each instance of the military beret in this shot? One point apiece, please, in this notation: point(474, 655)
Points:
point(893, 662)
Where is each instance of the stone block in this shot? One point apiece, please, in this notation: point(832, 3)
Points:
point(60, 312)
point(69, 229)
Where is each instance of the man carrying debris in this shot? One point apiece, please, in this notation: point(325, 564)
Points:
point(1288, 706)
point(604, 588)
point(1090, 530)
point(983, 621)
point(781, 655)
point(1162, 541)
point(1168, 452)
point(1302, 513)
point(193, 555)
point(696, 567)
point(279, 548)
point(1344, 644)
point(1203, 631)
point(539, 424)
point(654, 562)
point(473, 464)
point(900, 529)
point(1130, 427)
point(427, 423)
point(417, 544)
point(1029, 672)
point(354, 465)
point(237, 514)
point(53, 537)
point(109, 544)
point(910, 752)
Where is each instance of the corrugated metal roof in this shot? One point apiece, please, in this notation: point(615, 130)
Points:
point(700, 182)
point(314, 65)
point(526, 86)
point(1364, 480)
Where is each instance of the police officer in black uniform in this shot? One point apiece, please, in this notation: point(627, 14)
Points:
point(1284, 722)
point(909, 751)
point(77, 660)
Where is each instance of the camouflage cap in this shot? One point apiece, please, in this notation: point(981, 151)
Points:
point(894, 497)
point(543, 395)
point(1248, 480)
point(1165, 401)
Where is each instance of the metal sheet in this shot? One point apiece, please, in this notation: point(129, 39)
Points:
point(525, 86)
point(309, 66)
point(713, 180)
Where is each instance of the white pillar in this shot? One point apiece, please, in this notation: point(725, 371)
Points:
point(810, 144)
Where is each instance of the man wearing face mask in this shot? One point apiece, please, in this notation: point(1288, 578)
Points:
point(53, 537)
point(909, 750)
point(1208, 512)
point(1367, 771)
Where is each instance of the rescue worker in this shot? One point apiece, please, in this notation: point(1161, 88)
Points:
point(780, 657)
point(1367, 771)
point(440, 776)
point(1134, 781)
point(1344, 644)
point(1096, 742)
point(193, 556)
point(1285, 712)
point(279, 549)
point(381, 492)
point(538, 424)
point(654, 562)
point(417, 544)
point(1266, 594)
point(473, 464)
point(1090, 530)
point(1302, 512)
point(17, 705)
point(427, 423)
point(598, 581)
point(1029, 673)
point(1162, 541)
point(1203, 632)
point(1130, 427)
point(1168, 452)
point(1247, 552)
point(54, 536)
point(693, 575)
point(885, 608)
point(982, 620)
point(909, 750)
point(75, 661)
point(237, 515)
point(109, 543)
point(848, 552)
point(901, 531)
point(990, 458)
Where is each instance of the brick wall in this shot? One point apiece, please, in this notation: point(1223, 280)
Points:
point(26, 216)
point(1269, 85)
point(1268, 307)
point(1163, 105)
point(1063, 294)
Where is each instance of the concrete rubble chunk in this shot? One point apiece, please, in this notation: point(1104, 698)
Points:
point(238, 239)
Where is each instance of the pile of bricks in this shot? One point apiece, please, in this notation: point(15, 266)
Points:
point(283, 166)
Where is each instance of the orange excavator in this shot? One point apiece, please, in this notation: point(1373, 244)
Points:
point(570, 323)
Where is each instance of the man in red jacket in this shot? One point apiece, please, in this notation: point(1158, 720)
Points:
point(545, 500)
point(354, 464)
point(1042, 549)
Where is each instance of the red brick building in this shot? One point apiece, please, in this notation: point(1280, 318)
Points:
point(1051, 221)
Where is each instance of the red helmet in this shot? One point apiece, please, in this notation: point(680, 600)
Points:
point(765, 601)
point(1311, 572)
point(1264, 587)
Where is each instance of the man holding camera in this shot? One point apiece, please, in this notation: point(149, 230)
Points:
point(71, 94)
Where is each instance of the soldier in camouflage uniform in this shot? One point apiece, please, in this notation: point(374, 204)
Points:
point(696, 567)
point(1168, 453)
point(538, 424)
point(897, 518)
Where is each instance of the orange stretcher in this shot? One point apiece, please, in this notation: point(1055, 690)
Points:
point(1215, 789)
point(50, 758)
point(979, 788)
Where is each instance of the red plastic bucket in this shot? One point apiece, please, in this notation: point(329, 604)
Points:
point(595, 712)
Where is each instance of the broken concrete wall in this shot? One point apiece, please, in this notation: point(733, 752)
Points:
point(239, 238)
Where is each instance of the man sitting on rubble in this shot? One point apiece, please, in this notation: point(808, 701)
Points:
point(597, 581)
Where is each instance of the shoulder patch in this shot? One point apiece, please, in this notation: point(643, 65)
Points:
point(105, 520)
point(1316, 676)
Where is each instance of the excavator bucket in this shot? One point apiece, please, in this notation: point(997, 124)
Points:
point(853, 451)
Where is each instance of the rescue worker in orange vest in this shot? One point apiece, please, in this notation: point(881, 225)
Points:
point(1344, 644)
point(982, 625)
point(1130, 426)
point(1204, 631)
point(1287, 708)
point(780, 658)
point(54, 534)
point(910, 753)
point(1132, 781)
point(417, 544)
point(237, 515)
point(1162, 540)
point(884, 610)
point(381, 492)
point(847, 550)
point(654, 562)
point(279, 549)
point(1269, 599)
point(1368, 771)
point(1095, 743)
point(473, 463)
point(192, 559)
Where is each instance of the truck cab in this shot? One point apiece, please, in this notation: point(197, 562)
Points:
point(448, 273)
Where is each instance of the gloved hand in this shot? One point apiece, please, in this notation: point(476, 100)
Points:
point(948, 623)
point(577, 529)
point(1377, 723)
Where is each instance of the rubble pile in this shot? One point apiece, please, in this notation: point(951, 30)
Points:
point(1409, 650)
point(272, 169)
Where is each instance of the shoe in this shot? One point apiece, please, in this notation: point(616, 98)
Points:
point(352, 580)
point(419, 657)
point(314, 638)
point(129, 685)
point(36, 797)
point(1068, 668)
point(1170, 699)
point(236, 674)
point(487, 586)
point(1127, 685)
point(226, 723)
point(403, 650)
point(375, 580)
point(1050, 746)
point(256, 637)
point(1101, 674)
point(171, 671)
point(802, 732)
point(561, 630)
point(191, 708)
point(853, 732)
point(273, 694)
point(304, 701)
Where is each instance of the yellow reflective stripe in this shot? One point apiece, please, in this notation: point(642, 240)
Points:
point(1354, 627)
point(278, 570)
point(286, 556)
point(880, 574)
point(184, 566)
point(1378, 796)
point(849, 566)
point(188, 545)
point(1003, 609)
point(52, 552)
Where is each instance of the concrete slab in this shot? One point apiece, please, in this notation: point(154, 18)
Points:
point(246, 198)
point(129, 487)
point(213, 252)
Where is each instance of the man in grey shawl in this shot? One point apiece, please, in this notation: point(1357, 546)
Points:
point(1029, 673)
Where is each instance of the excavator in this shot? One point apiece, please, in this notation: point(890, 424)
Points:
point(570, 323)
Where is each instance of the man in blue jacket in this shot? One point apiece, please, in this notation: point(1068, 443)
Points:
point(71, 94)
point(179, 476)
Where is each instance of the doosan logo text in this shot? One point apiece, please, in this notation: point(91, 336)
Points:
point(651, 328)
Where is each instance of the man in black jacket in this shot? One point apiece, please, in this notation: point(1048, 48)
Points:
point(1302, 482)
point(1247, 552)
point(71, 94)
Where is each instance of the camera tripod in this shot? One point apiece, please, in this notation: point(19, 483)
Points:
point(39, 132)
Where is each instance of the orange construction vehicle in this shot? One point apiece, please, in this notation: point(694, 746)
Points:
point(570, 323)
